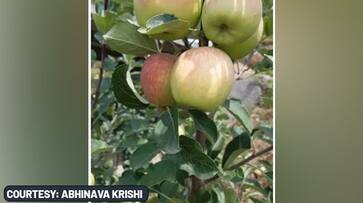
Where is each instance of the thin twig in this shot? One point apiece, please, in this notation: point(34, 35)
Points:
point(243, 162)
point(186, 43)
point(196, 183)
point(100, 79)
point(246, 63)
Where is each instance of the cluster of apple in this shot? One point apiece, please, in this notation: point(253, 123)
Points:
point(200, 78)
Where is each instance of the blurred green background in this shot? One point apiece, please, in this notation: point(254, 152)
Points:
point(319, 101)
point(43, 92)
point(43, 96)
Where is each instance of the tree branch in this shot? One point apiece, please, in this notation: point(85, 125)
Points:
point(103, 50)
point(243, 162)
point(197, 183)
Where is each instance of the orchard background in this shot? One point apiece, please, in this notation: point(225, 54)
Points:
point(182, 155)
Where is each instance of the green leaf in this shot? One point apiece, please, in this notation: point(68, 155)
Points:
point(267, 4)
point(204, 195)
point(264, 134)
point(128, 142)
point(195, 162)
point(230, 195)
point(217, 147)
point(219, 195)
point(166, 27)
point(238, 111)
point(188, 143)
point(129, 178)
point(270, 57)
point(153, 200)
point(161, 171)
point(171, 189)
point(180, 177)
point(124, 89)
point(135, 126)
point(205, 125)
point(174, 200)
point(143, 155)
point(268, 25)
point(269, 177)
point(266, 164)
point(254, 200)
point(166, 131)
point(98, 146)
point(104, 22)
point(124, 38)
point(237, 175)
point(110, 63)
point(122, 6)
point(254, 184)
point(160, 20)
point(169, 200)
point(235, 148)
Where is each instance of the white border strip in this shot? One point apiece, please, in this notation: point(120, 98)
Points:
point(274, 100)
point(89, 89)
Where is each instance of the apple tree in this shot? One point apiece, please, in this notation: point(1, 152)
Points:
point(182, 98)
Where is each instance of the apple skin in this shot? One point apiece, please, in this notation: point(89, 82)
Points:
point(188, 10)
point(226, 22)
point(155, 79)
point(237, 51)
point(91, 178)
point(202, 78)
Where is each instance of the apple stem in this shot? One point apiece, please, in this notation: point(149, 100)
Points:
point(157, 42)
point(203, 41)
point(186, 43)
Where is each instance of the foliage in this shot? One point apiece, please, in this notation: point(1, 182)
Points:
point(136, 143)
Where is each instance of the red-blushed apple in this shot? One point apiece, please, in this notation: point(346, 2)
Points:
point(226, 22)
point(237, 51)
point(155, 79)
point(187, 10)
point(202, 78)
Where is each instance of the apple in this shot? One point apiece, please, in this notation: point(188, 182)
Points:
point(91, 179)
point(202, 78)
point(237, 51)
point(187, 10)
point(226, 22)
point(155, 79)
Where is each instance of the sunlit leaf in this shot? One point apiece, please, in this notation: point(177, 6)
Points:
point(236, 109)
point(166, 27)
point(124, 38)
point(99, 146)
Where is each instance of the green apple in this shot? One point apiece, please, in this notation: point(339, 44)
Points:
point(226, 22)
point(155, 79)
point(202, 78)
point(91, 179)
point(187, 10)
point(237, 51)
